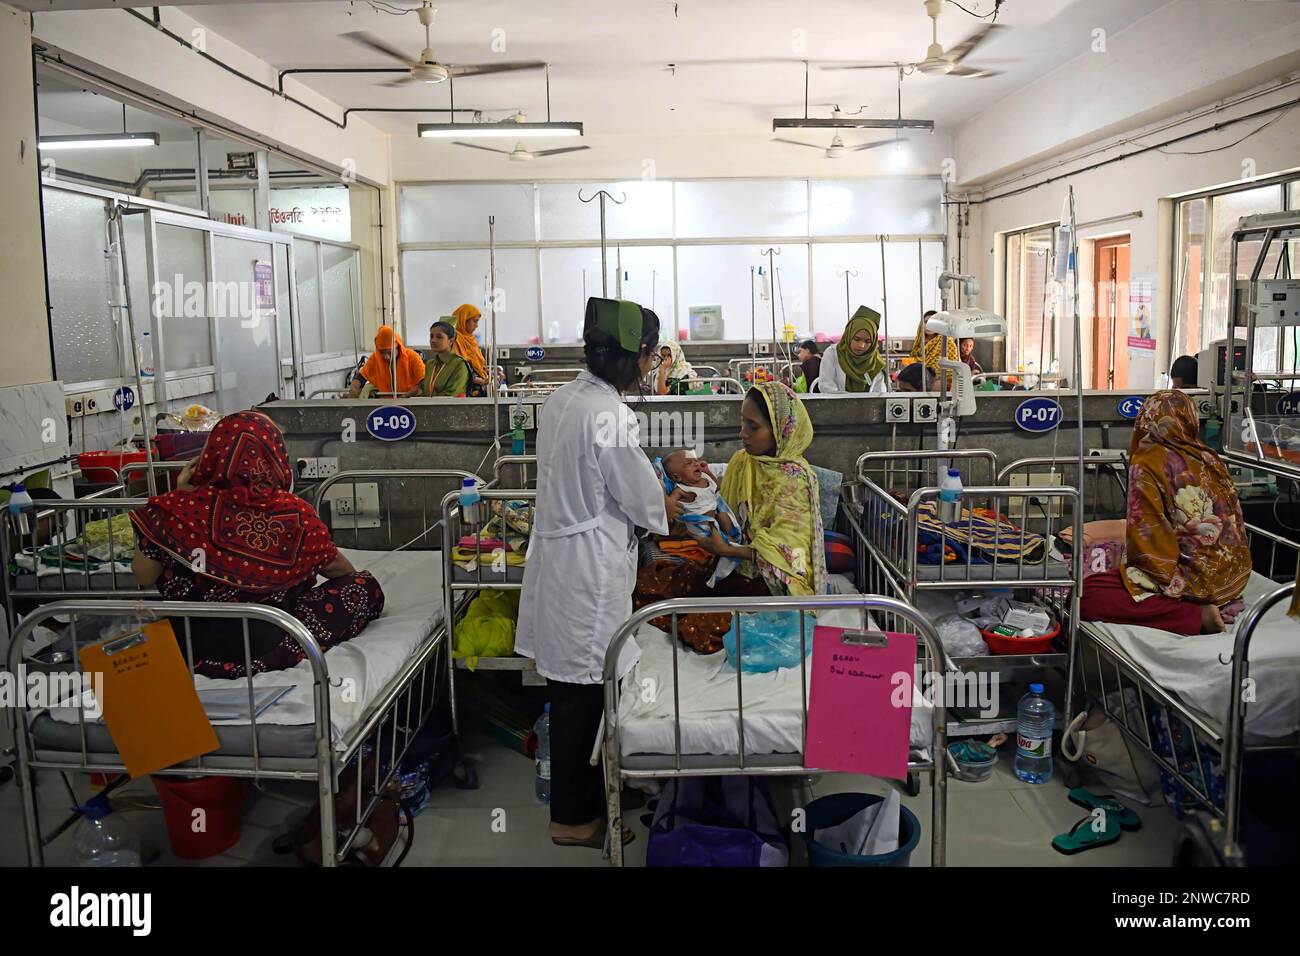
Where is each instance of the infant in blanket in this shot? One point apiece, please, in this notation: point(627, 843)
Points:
point(683, 468)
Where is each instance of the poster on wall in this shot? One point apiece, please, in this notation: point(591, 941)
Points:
point(1141, 334)
point(264, 286)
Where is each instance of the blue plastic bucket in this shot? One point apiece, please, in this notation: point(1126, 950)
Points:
point(835, 808)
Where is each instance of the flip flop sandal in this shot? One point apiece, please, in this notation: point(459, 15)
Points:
point(596, 841)
point(1128, 819)
point(1082, 836)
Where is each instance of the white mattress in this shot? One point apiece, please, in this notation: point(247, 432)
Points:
point(707, 693)
point(363, 666)
point(1190, 666)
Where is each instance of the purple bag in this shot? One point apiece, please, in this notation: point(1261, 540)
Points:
point(716, 821)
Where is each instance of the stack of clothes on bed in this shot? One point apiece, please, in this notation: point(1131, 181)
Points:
point(981, 533)
point(104, 546)
point(502, 538)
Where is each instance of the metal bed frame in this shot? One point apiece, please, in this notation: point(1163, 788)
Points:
point(386, 729)
point(677, 764)
point(886, 532)
point(1108, 677)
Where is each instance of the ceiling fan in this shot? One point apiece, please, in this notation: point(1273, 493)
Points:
point(425, 68)
point(837, 149)
point(939, 62)
point(519, 154)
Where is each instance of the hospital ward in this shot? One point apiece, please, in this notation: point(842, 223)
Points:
point(824, 434)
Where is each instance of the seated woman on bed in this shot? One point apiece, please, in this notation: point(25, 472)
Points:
point(1186, 560)
point(773, 492)
point(233, 531)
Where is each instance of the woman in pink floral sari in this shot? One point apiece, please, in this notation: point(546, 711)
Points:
point(1186, 558)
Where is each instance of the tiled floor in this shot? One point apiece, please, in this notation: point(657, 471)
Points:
point(1000, 821)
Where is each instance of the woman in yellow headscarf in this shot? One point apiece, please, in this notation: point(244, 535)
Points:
point(392, 368)
point(466, 345)
point(928, 347)
point(773, 491)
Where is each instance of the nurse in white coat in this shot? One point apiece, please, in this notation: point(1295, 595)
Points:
point(854, 363)
point(595, 487)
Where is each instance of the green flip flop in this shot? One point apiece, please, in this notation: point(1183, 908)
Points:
point(1128, 819)
point(1083, 835)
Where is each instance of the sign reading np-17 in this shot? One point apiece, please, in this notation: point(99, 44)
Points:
point(1038, 414)
point(390, 423)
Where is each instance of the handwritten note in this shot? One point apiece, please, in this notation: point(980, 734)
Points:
point(860, 704)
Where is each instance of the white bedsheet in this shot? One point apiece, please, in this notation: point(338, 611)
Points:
point(1190, 666)
point(707, 693)
point(360, 668)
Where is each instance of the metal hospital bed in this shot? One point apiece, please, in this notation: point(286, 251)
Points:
point(881, 510)
point(384, 725)
point(878, 613)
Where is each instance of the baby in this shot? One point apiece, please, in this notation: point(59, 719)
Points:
point(707, 508)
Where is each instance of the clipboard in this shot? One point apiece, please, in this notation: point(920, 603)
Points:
point(860, 701)
point(149, 702)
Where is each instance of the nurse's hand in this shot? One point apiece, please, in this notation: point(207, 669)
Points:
point(673, 503)
point(717, 544)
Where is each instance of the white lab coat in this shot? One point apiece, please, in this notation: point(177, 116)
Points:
point(595, 486)
point(831, 377)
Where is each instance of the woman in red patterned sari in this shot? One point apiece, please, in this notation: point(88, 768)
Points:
point(233, 531)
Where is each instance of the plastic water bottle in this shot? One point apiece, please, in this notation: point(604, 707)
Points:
point(950, 492)
point(517, 431)
point(102, 839)
point(20, 505)
point(542, 776)
point(469, 499)
point(144, 358)
point(1034, 716)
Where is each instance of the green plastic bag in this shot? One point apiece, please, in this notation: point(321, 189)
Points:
point(488, 627)
point(801, 384)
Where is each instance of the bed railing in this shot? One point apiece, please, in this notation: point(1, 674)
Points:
point(347, 508)
point(615, 772)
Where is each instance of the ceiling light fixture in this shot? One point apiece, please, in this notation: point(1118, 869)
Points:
point(99, 141)
point(840, 120)
point(506, 128)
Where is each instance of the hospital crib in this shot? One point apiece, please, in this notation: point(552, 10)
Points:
point(882, 509)
point(350, 709)
point(624, 741)
point(1196, 732)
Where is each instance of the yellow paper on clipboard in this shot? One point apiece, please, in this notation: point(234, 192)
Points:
point(147, 694)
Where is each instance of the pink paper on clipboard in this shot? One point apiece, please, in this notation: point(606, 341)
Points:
point(860, 701)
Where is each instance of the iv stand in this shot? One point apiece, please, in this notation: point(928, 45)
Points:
point(884, 294)
point(771, 268)
point(753, 317)
point(604, 268)
point(618, 272)
point(848, 305)
point(159, 397)
point(492, 305)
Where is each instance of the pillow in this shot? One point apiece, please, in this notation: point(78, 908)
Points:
point(829, 484)
point(1098, 532)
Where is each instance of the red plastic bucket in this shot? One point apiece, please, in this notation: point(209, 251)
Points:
point(194, 835)
point(101, 467)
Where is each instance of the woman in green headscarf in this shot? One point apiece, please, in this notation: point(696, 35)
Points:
point(675, 374)
point(854, 363)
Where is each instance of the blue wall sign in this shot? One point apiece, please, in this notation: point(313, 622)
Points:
point(390, 423)
point(1289, 404)
point(1129, 407)
point(535, 353)
point(123, 399)
point(1038, 415)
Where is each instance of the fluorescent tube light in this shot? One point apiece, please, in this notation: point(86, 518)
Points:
point(507, 128)
point(850, 122)
point(99, 141)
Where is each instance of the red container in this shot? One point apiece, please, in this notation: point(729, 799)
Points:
point(1000, 644)
point(101, 467)
point(196, 836)
point(179, 446)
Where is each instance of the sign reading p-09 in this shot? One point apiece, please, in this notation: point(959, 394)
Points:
point(390, 423)
point(1038, 415)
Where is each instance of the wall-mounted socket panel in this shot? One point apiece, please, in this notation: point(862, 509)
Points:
point(353, 505)
point(503, 353)
point(526, 412)
point(898, 409)
point(306, 468)
point(309, 469)
point(924, 409)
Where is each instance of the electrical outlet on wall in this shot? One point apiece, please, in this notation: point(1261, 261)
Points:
point(307, 468)
point(503, 353)
point(898, 410)
point(924, 409)
point(353, 505)
point(327, 467)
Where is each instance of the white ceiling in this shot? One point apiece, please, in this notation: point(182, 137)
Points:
point(608, 59)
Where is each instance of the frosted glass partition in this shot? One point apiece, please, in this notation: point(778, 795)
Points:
point(645, 213)
point(564, 273)
point(81, 321)
point(741, 207)
point(309, 305)
point(250, 365)
point(436, 281)
point(282, 304)
point(830, 259)
point(341, 287)
point(183, 272)
point(719, 275)
point(648, 279)
point(459, 212)
point(866, 207)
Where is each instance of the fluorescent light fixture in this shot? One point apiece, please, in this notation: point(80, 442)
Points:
point(508, 128)
point(99, 141)
point(850, 122)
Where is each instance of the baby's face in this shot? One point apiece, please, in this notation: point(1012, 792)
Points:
point(684, 468)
